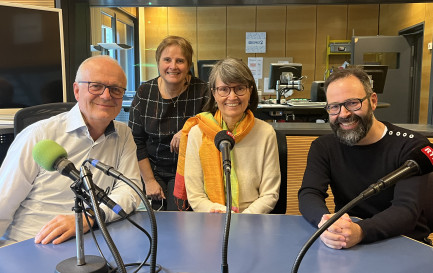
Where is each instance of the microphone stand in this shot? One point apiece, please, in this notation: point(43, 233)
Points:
point(88, 185)
point(373, 189)
point(224, 264)
point(108, 170)
point(81, 263)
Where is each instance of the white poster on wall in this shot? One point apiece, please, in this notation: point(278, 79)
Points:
point(255, 42)
point(256, 67)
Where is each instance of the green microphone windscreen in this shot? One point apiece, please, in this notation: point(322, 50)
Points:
point(46, 152)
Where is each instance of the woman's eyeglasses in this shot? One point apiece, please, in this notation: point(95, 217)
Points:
point(224, 91)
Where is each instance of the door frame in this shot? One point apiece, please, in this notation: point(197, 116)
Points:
point(415, 37)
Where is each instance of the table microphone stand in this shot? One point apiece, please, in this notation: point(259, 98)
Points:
point(367, 193)
point(81, 263)
point(224, 265)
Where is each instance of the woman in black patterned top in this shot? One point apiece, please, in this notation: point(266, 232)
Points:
point(159, 109)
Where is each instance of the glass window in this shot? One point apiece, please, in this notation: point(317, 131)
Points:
point(391, 59)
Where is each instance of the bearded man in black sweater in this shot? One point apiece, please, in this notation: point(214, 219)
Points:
point(361, 151)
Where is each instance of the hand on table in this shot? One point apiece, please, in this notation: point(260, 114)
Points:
point(60, 229)
point(342, 234)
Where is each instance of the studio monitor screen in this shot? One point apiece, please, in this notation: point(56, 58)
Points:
point(31, 56)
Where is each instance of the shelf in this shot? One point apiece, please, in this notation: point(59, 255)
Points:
point(343, 52)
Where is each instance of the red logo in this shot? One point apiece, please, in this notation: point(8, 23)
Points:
point(230, 134)
point(428, 151)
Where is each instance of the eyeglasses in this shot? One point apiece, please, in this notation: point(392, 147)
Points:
point(350, 104)
point(96, 88)
point(224, 91)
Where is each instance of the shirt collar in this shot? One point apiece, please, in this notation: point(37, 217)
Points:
point(75, 121)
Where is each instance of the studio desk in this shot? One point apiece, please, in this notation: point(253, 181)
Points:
point(298, 111)
point(190, 242)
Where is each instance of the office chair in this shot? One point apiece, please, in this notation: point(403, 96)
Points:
point(29, 115)
point(281, 206)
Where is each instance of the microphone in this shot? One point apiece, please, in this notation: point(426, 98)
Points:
point(108, 170)
point(224, 141)
point(420, 162)
point(51, 156)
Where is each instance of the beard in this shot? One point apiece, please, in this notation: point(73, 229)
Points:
point(353, 136)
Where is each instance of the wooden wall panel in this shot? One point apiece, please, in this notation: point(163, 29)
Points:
point(216, 32)
point(156, 29)
point(240, 19)
point(211, 33)
point(272, 20)
point(301, 42)
point(395, 17)
point(426, 64)
point(332, 21)
point(183, 22)
point(130, 10)
point(142, 42)
point(297, 152)
point(42, 3)
point(95, 28)
point(363, 20)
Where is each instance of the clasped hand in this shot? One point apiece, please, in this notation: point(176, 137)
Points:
point(342, 234)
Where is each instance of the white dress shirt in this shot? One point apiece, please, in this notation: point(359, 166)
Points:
point(31, 196)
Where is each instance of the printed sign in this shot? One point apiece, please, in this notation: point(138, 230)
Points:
point(255, 42)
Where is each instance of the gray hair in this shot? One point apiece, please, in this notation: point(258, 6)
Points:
point(231, 70)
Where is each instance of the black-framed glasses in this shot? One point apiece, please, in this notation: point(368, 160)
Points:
point(224, 91)
point(350, 104)
point(97, 88)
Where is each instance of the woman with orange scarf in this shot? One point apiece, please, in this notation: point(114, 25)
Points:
point(255, 173)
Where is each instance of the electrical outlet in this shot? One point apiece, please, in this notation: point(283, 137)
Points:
point(429, 46)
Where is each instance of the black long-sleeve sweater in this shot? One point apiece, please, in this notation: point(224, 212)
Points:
point(351, 169)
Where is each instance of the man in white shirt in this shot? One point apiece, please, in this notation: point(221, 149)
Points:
point(37, 203)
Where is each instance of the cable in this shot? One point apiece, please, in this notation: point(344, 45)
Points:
point(101, 223)
point(112, 172)
point(327, 224)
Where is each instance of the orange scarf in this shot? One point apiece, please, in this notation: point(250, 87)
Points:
point(210, 157)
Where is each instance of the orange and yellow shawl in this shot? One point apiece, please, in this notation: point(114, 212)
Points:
point(210, 157)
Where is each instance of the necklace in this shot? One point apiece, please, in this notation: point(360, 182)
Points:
point(179, 93)
point(174, 102)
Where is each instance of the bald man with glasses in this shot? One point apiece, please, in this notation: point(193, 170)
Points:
point(37, 203)
point(360, 151)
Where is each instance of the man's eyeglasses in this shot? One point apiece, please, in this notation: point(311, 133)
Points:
point(350, 104)
point(96, 88)
point(224, 91)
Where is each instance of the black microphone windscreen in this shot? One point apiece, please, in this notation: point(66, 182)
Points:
point(224, 135)
point(423, 156)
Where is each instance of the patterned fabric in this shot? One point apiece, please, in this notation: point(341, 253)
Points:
point(210, 157)
point(154, 120)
